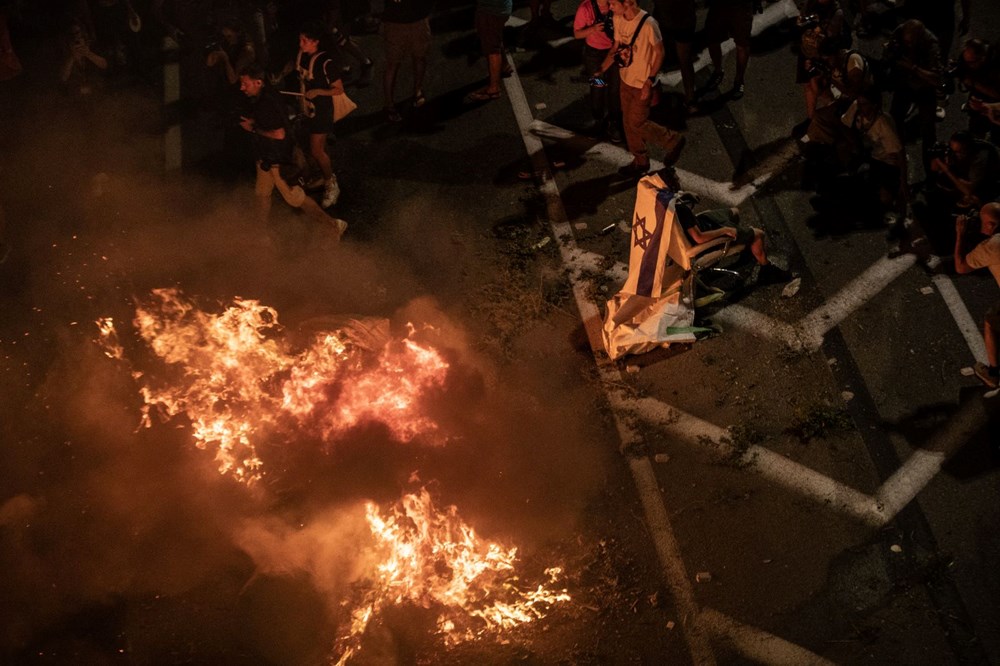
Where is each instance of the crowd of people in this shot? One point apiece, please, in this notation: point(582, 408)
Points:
point(865, 99)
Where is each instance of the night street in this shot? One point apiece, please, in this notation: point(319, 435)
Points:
point(226, 440)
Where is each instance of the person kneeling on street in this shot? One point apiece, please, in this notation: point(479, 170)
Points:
point(985, 254)
point(274, 146)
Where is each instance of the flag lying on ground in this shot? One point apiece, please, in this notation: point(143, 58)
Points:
point(656, 301)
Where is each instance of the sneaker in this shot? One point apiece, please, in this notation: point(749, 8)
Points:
point(739, 89)
point(939, 112)
point(987, 374)
point(340, 226)
point(714, 80)
point(634, 170)
point(331, 193)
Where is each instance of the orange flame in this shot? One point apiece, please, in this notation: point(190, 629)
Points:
point(430, 558)
point(235, 377)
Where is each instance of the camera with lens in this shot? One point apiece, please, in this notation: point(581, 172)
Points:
point(939, 150)
point(213, 46)
point(818, 67)
point(807, 22)
point(609, 25)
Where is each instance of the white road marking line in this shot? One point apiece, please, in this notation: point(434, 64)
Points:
point(758, 645)
point(774, 467)
point(723, 193)
point(856, 293)
point(666, 545)
point(960, 313)
point(746, 319)
point(773, 15)
point(903, 486)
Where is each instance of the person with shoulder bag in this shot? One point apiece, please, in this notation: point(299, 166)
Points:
point(319, 82)
point(594, 24)
point(637, 52)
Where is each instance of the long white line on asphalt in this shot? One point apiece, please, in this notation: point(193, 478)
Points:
point(759, 645)
point(773, 466)
point(723, 193)
point(961, 315)
point(902, 487)
point(856, 293)
point(773, 15)
point(643, 476)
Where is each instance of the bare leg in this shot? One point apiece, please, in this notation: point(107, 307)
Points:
point(989, 338)
point(742, 59)
point(419, 70)
point(715, 53)
point(757, 247)
point(317, 148)
point(263, 209)
point(495, 63)
point(687, 70)
point(389, 84)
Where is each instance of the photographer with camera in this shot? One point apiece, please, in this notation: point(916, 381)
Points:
point(984, 254)
point(82, 69)
point(594, 24)
point(968, 173)
point(229, 53)
point(978, 72)
point(913, 59)
point(823, 31)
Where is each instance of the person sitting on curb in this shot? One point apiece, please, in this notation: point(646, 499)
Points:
point(985, 254)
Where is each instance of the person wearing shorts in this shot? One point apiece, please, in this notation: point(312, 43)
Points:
point(491, 16)
point(677, 21)
point(320, 82)
point(729, 18)
point(406, 32)
point(273, 146)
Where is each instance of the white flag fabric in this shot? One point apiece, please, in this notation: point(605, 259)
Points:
point(658, 294)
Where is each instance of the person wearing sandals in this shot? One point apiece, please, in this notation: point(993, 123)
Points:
point(638, 54)
point(491, 16)
point(406, 32)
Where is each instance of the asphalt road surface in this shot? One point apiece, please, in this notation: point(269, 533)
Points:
point(812, 483)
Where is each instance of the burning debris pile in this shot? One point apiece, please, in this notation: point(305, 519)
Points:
point(236, 377)
point(429, 557)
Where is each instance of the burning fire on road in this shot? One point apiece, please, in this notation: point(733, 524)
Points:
point(238, 378)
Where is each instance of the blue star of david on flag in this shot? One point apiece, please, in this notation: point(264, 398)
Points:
point(640, 234)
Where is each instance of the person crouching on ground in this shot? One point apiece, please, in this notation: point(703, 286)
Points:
point(273, 145)
point(724, 223)
point(986, 254)
point(638, 54)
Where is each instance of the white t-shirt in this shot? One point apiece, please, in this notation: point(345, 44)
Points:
point(987, 255)
point(635, 75)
